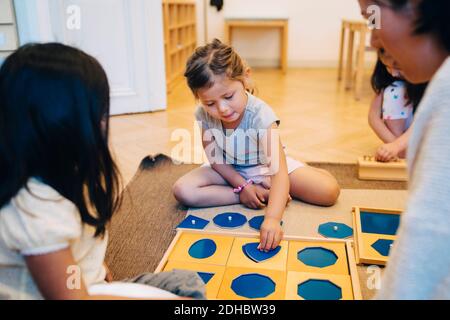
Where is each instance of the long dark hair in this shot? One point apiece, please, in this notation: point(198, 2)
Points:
point(54, 111)
point(381, 79)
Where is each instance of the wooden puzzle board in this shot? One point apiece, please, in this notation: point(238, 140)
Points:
point(365, 253)
point(229, 262)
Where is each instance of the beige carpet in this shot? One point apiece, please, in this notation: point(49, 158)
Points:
point(143, 228)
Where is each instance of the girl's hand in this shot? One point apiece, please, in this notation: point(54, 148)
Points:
point(387, 152)
point(270, 234)
point(262, 193)
point(253, 196)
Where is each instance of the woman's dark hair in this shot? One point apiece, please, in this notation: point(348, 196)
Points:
point(434, 17)
point(54, 113)
point(381, 79)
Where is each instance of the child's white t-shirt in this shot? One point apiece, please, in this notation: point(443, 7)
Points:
point(395, 103)
point(38, 220)
point(242, 146)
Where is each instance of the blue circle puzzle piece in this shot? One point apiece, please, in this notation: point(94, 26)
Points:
point(317, 257)
point(206, 276)
point(252, 252)
point(253, 286)
point(202, 249)
point(335, 230)
point(383, 246)
point(230, 220)
point(314, 289)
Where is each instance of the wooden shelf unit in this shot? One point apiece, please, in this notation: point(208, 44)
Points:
point(9, 40)
point(180, 37)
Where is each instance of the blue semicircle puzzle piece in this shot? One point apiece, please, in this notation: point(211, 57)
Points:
point(252, 252)
point(256, 222)
point(202, 249)
point(253, 286)
point(206, 276)
point(335, 230)
point(383, 246)
point(230, 220)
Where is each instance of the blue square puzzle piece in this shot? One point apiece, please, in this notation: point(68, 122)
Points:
point(193, 222)
point(379, 223)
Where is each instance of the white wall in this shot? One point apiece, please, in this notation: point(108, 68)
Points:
point(314, 29)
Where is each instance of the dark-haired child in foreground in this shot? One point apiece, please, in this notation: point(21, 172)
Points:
point(59, 184)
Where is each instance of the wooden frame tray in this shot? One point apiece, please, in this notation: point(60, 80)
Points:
point(370, 169)
point(364, 251)
point(213, 288)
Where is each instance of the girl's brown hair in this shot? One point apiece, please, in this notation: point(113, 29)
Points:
point(215, 59)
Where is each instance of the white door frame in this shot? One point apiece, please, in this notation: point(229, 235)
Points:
point(44, 21)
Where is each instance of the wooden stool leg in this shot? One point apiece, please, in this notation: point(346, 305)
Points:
point(341, 52)
point(349, 71)
point(360, 66)
point(284, 47)
point(227, 34)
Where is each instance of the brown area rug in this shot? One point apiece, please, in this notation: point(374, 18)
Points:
point(142, 229)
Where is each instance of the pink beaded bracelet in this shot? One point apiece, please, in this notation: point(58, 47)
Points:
point(240, 188)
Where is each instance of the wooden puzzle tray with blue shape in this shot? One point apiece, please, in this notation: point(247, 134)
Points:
point(233, 269)
point(375, 233)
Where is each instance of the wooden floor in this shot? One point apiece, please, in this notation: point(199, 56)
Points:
point(320, 121)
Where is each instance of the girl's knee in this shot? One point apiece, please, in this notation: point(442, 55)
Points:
point(331, 192)
point(183, 193)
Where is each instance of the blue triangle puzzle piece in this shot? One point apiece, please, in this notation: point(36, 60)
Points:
point(206, 276)
point(383, 246)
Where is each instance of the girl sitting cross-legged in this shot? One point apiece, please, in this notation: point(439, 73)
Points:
point(247, 163)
